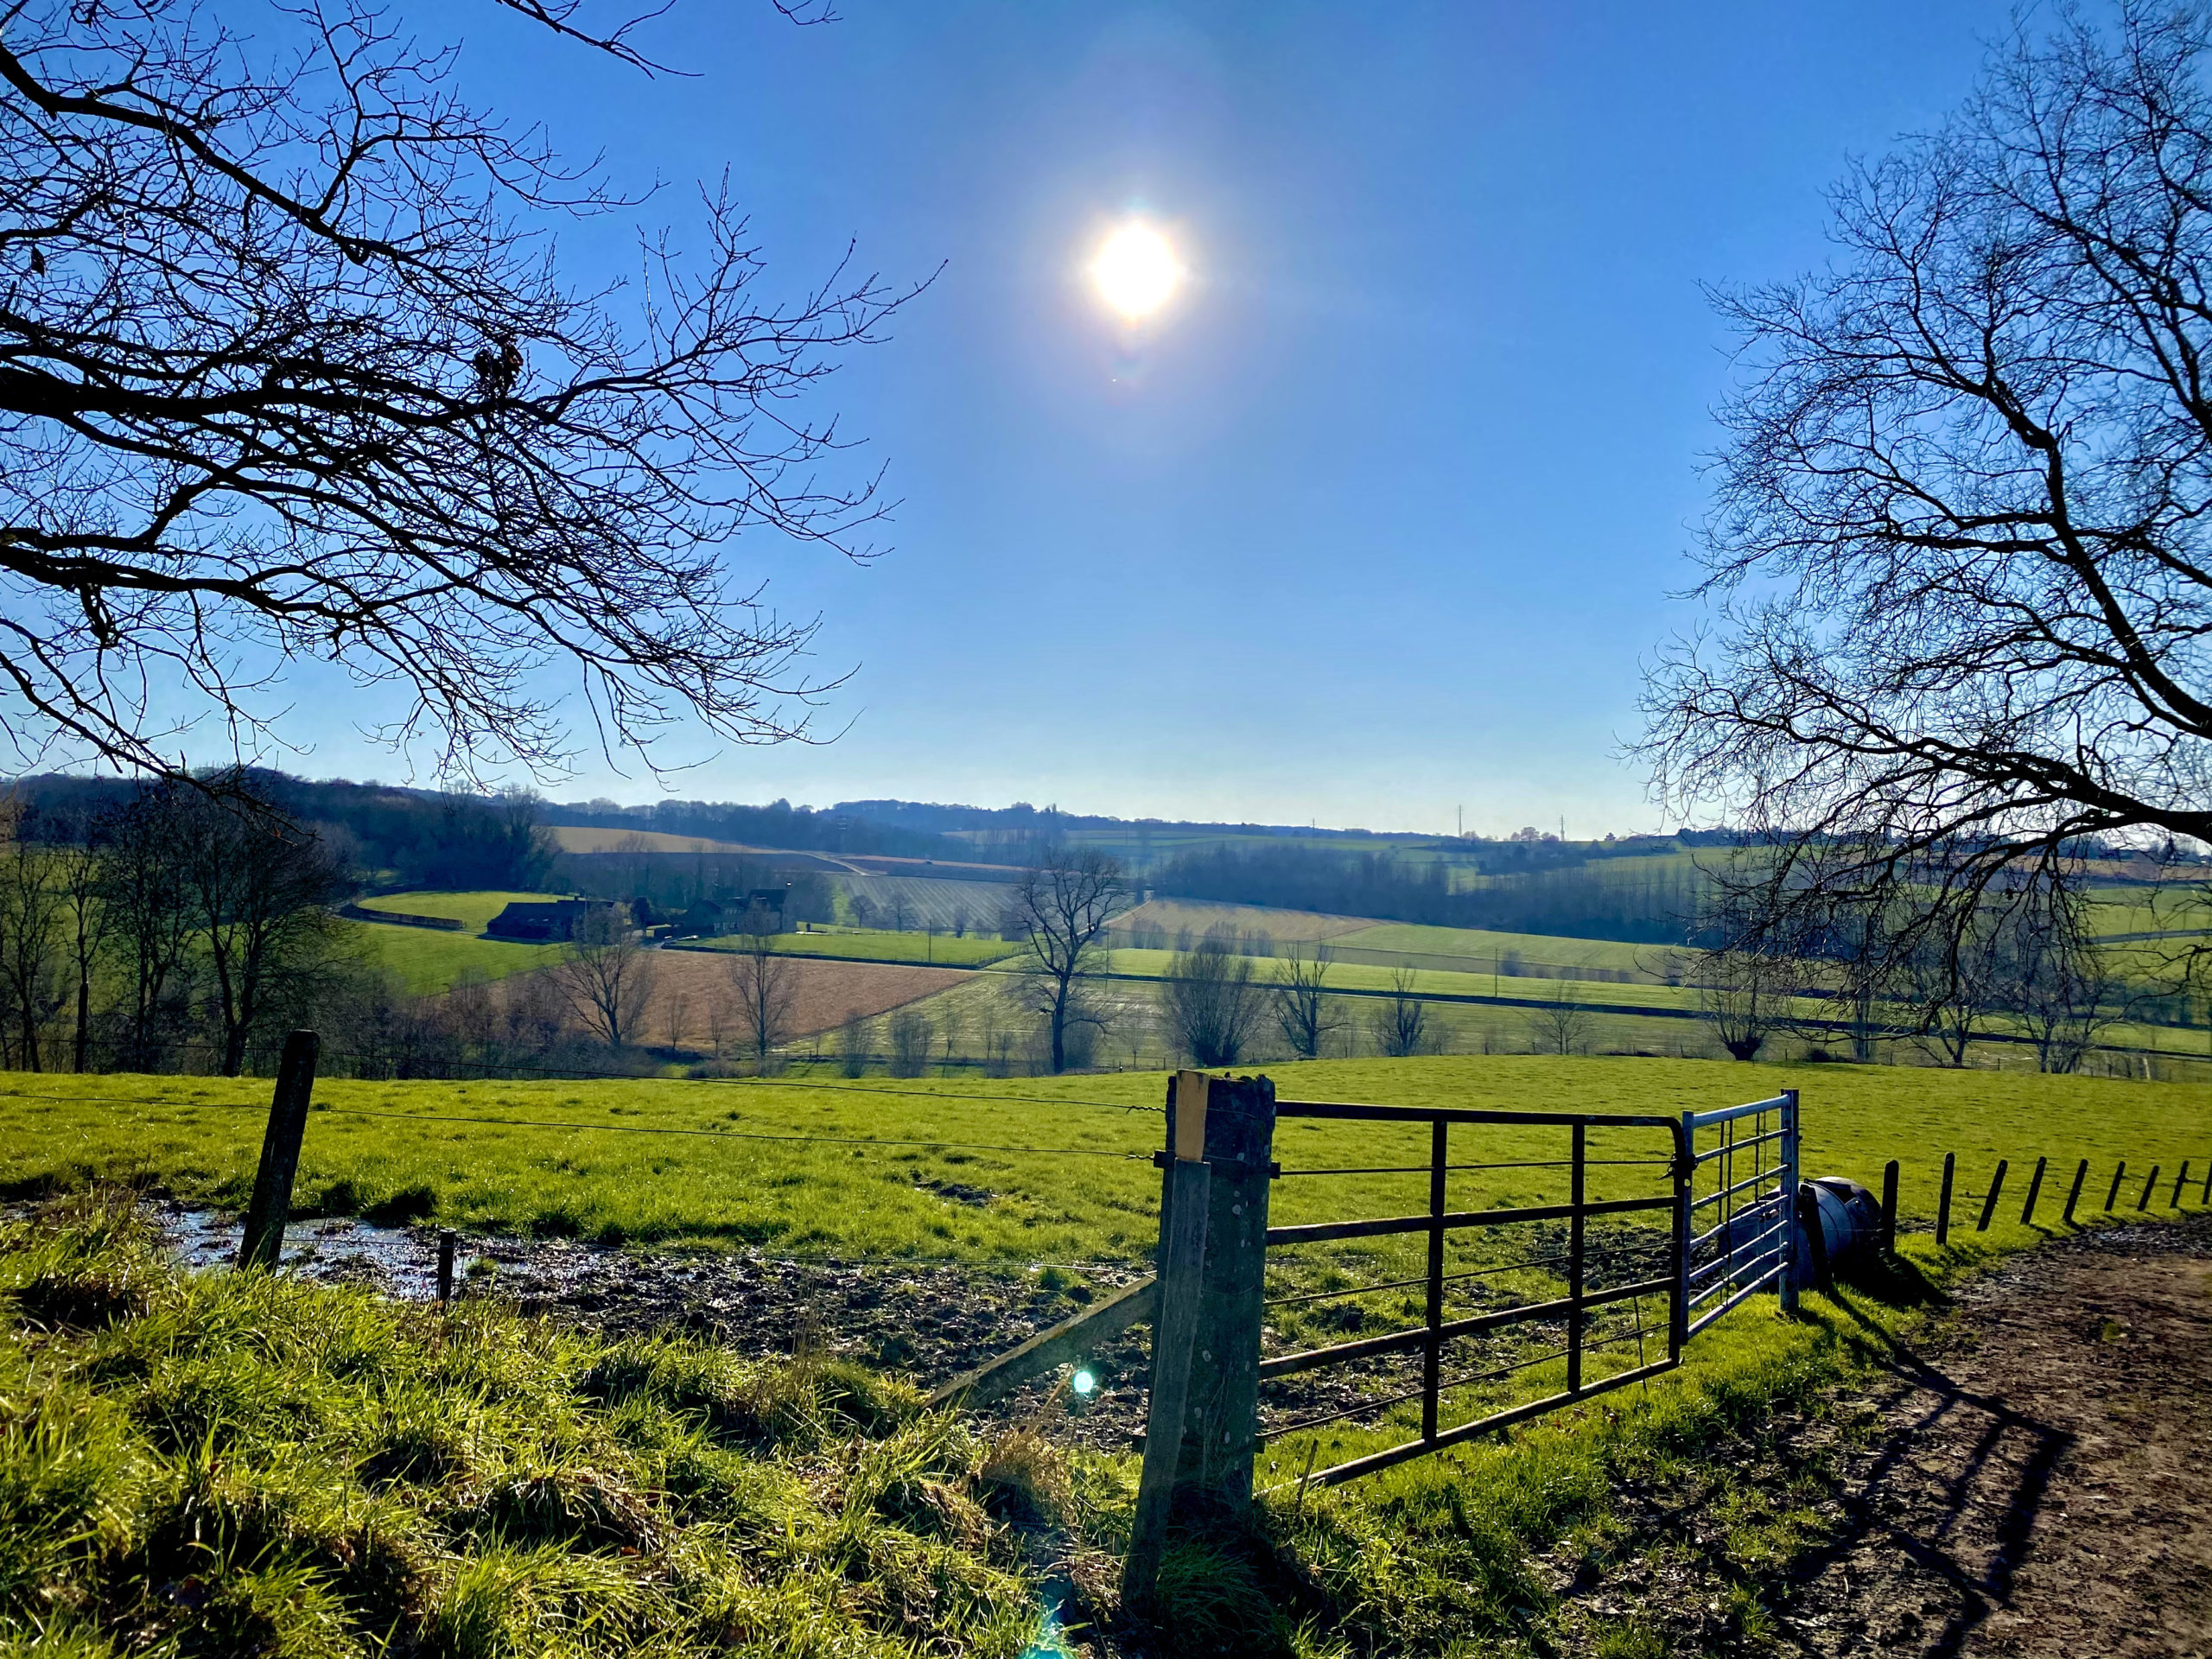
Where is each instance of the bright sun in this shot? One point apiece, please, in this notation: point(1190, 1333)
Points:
point(1136, 270)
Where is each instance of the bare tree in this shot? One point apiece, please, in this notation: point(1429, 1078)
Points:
point(1560, 1029)
point(78, 848)
point(295, 372)
point(1213, 999)
point(260, 889)
point(1739, 995)
point(910, 1043)
point(30, 940)
point(1303, 1011)
point(1959, 552)
point(1061, 905)
point(142, 892)
point(766, 983)
point(852, 1045)
point(1401, 1024)
point(2054, 977)
point(606, 975)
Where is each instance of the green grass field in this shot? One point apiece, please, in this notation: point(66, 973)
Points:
point(877, 944)
point(472, 909)
point(1091, 1194)
point(1538, 950)
point(427, 961)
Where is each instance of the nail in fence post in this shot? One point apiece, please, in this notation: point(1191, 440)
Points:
point(2145, 1203)
point(1943, 1200)
point(2180, 1181)
point(1175, 1330)
point(1432, 1359)
point(2074, 1192)
point(1790, 1174)
point(1989, 1204)
point(1575, 1266)
point(1890, 1208)
point(2035, 1192)
point(2118, 1175)
point(271, 1205)
point(445, 1267)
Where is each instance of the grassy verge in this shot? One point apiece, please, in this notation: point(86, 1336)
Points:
point(228, 1464)
point(215, 1463)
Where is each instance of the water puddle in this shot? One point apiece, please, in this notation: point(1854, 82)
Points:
point(401, 1262)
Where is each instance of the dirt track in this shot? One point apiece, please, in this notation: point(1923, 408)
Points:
point(2031, 1479)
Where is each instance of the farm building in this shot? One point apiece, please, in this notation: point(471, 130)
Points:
point(543, 921)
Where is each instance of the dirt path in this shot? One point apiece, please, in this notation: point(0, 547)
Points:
point(2033, 1477)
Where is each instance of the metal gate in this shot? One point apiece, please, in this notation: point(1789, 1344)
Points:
point(1649, 1156)
point(1737, 1236)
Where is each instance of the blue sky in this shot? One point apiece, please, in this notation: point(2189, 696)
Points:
point(1379, 522)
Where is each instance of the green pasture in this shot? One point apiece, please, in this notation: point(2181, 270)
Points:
point(1437, 982)
point(969, 1186)
point(875, 944)
point(1537, 950)
point(474, 911)
point(427, 961)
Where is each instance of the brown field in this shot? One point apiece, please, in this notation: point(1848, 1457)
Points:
point(582, 838)
point(1174, 914)
point(690, 987)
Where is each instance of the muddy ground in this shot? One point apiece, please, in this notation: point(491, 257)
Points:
point(2032, 1477)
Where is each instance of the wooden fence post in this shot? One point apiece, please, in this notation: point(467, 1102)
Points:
point(1222, 1428)
point(1989, 1204)
point(2180, 1181)
point(2035, 1192)
point(1943, 1201)
point(1181, 1267)
point(2148, 1187)
point(1890, 1208)
point(1203, 1426)
point(2206, 1198)
point(2118, 1175)
point(446, 1242)
point(2074, 1192)
point(263, 1244)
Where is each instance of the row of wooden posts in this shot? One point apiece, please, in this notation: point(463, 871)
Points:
point(1990, 1199)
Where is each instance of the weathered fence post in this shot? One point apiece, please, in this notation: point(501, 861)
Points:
point(1890, 1208)
point(2180, 1181)
point(1790, 1175)
point(446, 1242)
point(2118, 1175)
point(2074, 1192)
point(271, 1205)
point(1202, 1428)
point(2206, 1196)
point(2148, 1187)
point(1943, 1200)
point(1174, 1328)
point(2035, 1192)
point(1989, 1204)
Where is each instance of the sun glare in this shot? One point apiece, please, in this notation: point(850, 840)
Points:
point(1136, 270)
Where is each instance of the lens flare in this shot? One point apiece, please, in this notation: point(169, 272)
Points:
point(1084, 1383)
point(1136, 271)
